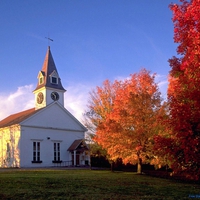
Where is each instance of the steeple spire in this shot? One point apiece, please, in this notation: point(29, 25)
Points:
point(51, 78)
point(49, 87)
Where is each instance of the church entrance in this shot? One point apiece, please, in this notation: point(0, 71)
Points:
point(77, 159)
point(78, 152)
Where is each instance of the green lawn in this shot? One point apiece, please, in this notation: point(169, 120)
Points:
point(90, 184)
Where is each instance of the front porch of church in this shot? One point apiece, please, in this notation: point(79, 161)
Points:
point(79, 155)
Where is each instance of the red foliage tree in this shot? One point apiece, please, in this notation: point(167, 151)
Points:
point(184, 90)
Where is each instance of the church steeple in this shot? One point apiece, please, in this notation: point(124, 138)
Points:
point(49, 87)
point(49, 74)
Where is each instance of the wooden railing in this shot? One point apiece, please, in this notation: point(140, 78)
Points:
point(63, 164)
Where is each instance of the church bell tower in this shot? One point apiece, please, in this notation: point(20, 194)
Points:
point(49, 87)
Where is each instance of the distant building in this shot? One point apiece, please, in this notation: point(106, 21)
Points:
point(47, 135)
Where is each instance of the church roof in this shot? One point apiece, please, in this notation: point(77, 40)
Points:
point(78, 145)
point(48, 69)
point(17, 117)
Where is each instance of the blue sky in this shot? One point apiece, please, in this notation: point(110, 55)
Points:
point(94, 40)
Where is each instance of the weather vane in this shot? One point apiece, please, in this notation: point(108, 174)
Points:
point(49, 40)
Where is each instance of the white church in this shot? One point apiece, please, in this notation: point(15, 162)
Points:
point(47, 135)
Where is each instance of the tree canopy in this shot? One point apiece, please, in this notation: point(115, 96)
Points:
point(184, 90)
point(125, 114)
point(130, 120)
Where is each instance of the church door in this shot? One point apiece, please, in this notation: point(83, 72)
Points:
point(77, 159)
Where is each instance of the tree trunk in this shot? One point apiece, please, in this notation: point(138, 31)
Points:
point(112, 166)
point(139, 166)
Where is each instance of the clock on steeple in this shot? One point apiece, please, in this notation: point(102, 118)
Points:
point(49, 87)
point(40, 98)
point(55, 96)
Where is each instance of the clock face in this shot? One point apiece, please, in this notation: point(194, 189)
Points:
point(55, 96)
point(40, 98)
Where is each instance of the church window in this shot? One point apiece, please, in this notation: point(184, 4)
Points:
point(8, 147)
point(54, 80)
point(54, 77)
point(36, 152)
point(8, 152)
point(41, 80)
point(56, 151)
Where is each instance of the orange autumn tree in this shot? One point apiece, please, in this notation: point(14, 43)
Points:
point(184, 90)
point(100, 105)
point(127, 127)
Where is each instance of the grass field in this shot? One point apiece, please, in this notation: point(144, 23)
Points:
point(90, 184)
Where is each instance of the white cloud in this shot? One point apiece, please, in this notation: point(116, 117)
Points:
point(16, 101)
point(76, 99)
